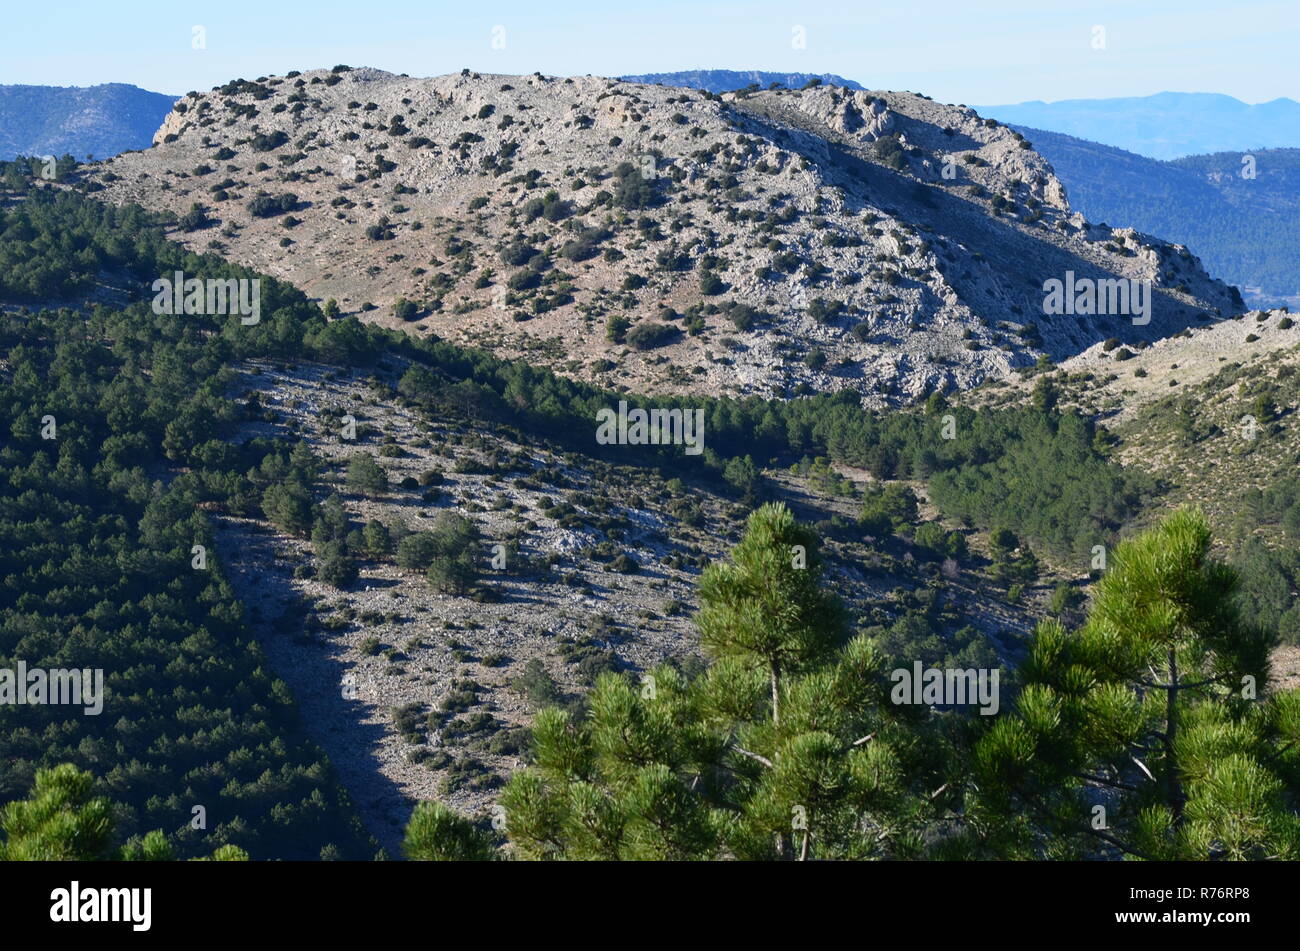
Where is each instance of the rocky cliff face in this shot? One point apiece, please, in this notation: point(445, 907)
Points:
point(659, 238)
point(172, 126)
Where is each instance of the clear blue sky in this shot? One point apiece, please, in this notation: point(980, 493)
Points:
point(977, 53)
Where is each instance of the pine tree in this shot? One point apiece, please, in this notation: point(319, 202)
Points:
point(366, 475)
point(436, 833)
point(766, 604)
point(1149, 732)
point(60, 822)
point(786, 748)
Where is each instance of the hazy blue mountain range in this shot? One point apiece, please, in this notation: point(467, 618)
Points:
point(97, 120)
point(726, 80)
point(1246, 230)
point(1167, 125)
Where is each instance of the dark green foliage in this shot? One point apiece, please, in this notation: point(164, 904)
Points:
point(1270, 573)
point(550, 206)
point(329, 537)
point(404, 309)
point(1044, 475)
point(1013, 561)
point(337, 567)
point(194, 219)
point(536, 684)
point(268, 206)
point(266, 142)
point(519, 252)
point(1269, 579)
point(288, 506)
point(649, 334)
point(1048, 480)
point(60, 822)
point(743, 316)
point(824, 311)
point(1065, 598)
point(380, 231)
point(890, 446)
point(616, 328)
point(436, 833)
point(782, 749)
point(448, 554)
point(924, 633)
point(376, 539)
point(366, 475)
point(416, 551)
point(711, 284)
point(585, 246)
point(524, 280)
point(889, 150)
point(938, 542)
point(1156, 713)
point(632, 191)
point(886, 509)
point(741, 473)
point(624, 564)
point(95, 549)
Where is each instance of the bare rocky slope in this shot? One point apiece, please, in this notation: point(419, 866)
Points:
point(1114, 383)
point(657, 238)
point(417, 694)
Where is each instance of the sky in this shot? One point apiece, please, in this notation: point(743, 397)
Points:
point(974, 53)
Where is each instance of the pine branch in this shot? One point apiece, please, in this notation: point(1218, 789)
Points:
point(1045, 816)
point(1172, 779)
point(762, 759)
point(1117, 843)
point(1276, 755)
point(1106, 782)
point(1142, 766)
point(1185, 686)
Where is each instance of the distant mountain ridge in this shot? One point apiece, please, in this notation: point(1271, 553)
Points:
point(102, 121)
point(1242, 219)
point(1165, 126)
point(729, 80)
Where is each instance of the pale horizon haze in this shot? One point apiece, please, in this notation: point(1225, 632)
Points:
point(951, 51)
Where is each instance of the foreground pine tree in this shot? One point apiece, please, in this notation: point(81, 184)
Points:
point(436, 833)
point(1150, 732)
point(62, 822)
point(787, 748)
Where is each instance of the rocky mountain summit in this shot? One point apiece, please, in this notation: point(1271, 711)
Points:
point(658, 238)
